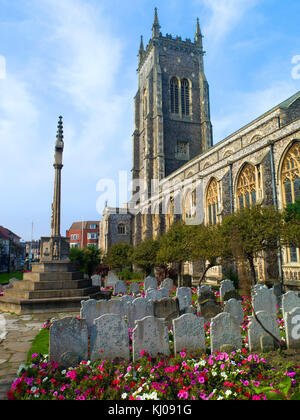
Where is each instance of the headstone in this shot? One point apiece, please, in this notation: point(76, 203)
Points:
point(235, 308)
point(184, 295)
point(292, 329)
point(166, 308)
point(290, 300)
point(151, 335)
point(255, 331)
point(110, 338)
point(125, 300)
point(225, 330)
point(157, 294)
point(150, 283)
point(112, 279)
point(226, 286)
point(207, 305)
point(266, 343)
point(93, 309)
point(96, 280)
point(120, 288)
point(134, 288)
point(263, 299)
point(68, 344)
point(203, 288)
point(168, 284)
point(190, 310)
point(139, 309)
point(231, 294)
point(189, 334)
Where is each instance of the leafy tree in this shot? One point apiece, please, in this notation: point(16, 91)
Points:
point(292, 211)
point(145, 255)
point(291, 230)
point(119, 256)
point(87, 259)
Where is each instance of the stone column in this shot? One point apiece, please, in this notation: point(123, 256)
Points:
point(56, 205)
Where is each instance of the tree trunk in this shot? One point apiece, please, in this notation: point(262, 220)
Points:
point(204, 274)
point(252, 268)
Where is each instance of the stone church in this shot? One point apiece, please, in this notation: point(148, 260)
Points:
point(178, 173)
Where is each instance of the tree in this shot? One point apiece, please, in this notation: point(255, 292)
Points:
point(87, 259)
point(211, 244)
point(292, 211)
point(291, 229)
point(251, 231)
point(145, 255)
point(175, 245)
point(119, 256)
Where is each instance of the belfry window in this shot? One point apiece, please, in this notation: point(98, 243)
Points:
point(246, 188)
point(185, 97)
point(121, 229)
point(174, 92)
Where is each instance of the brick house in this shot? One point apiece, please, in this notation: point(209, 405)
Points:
point(83, 234)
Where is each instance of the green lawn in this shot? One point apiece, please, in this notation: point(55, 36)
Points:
point(5, 277)
point(40, 344)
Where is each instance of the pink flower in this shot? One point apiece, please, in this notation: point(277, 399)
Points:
point(71, 375)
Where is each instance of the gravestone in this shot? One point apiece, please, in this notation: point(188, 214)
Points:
point(235, 308)
point(120, 287)
point(96, 280)
point(184, 295)
point(263, 299)
point(207, 305)
point(166, 308)
point(93, 309)
point(109, 338)
point(150, 283)
point(151, 335)
point(225, 330)
point(292, 328)
point(168, 284)
point(125, 300)
point(112, 279)
point(157, 294)
point(231, 294)
point(226, 286)
point(68, 344)
point(189, 334)
point(255, 331)
point(134, 288)
point(139, 309)
point(203, 288)
point(290, 300)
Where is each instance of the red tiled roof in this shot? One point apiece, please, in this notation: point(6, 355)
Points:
point(4, 233)
point(78, 225)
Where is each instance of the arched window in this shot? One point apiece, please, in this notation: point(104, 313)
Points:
point(174, 92)
point(189, 205)
point(290, 181)
point(246, 187)
point(212, 202)
point(121, 229)
point(185, 97)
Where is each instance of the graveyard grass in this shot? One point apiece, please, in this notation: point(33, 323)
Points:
point(5, 277)
point(220, 376)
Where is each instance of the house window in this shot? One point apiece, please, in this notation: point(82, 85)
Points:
point(246, 187)
point(92, 235)
point(185, 97)
point(290, 182)
point(174, 92)
point(121, 229)
point(212, 202)
point(93, 226)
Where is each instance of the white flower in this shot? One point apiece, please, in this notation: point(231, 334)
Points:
point(63, 372)
point(124, 396)
point(220, 398)
point(227, 393)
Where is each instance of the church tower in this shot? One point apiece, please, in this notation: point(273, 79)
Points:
point(172, 112)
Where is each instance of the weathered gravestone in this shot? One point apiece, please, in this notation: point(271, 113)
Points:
point(157, 294)
point(166, 308)
point(151, 335)
point(189, 334)
point(134, 288)
point(150, 283)
point(109, 338)
point(225, 330)
point(207, 305)
point(263, 299)
point(231, 294)
point(68, 344)
point(139, 309)
point(203, 288)
point(168, 284)
point(184, 295)
point(235, 308)
point(92, 309)
point(96, 280)
point(292, 329)
point(256, 332)
point(290, 300)
point(226, 286)
point(120, 288)
point(112, 279)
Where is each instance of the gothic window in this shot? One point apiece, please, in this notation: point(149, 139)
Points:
point(185, 97)
point(212, 202)
point(121, 229)
point(174, 92)
point(189, 205)
point(246, 187)
point(290, 181)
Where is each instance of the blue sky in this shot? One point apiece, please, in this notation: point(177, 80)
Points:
point(78, 58)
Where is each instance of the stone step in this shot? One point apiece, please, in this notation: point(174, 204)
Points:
point(53, 276)
point(29, 306)
point(50, 294)
point(48, 267)
point(31, 286)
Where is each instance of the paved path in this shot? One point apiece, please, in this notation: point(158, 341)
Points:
point(16, 335)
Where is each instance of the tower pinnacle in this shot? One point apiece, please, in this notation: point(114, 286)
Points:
point(141, 50)
point(156, 26)
point(198, 36)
